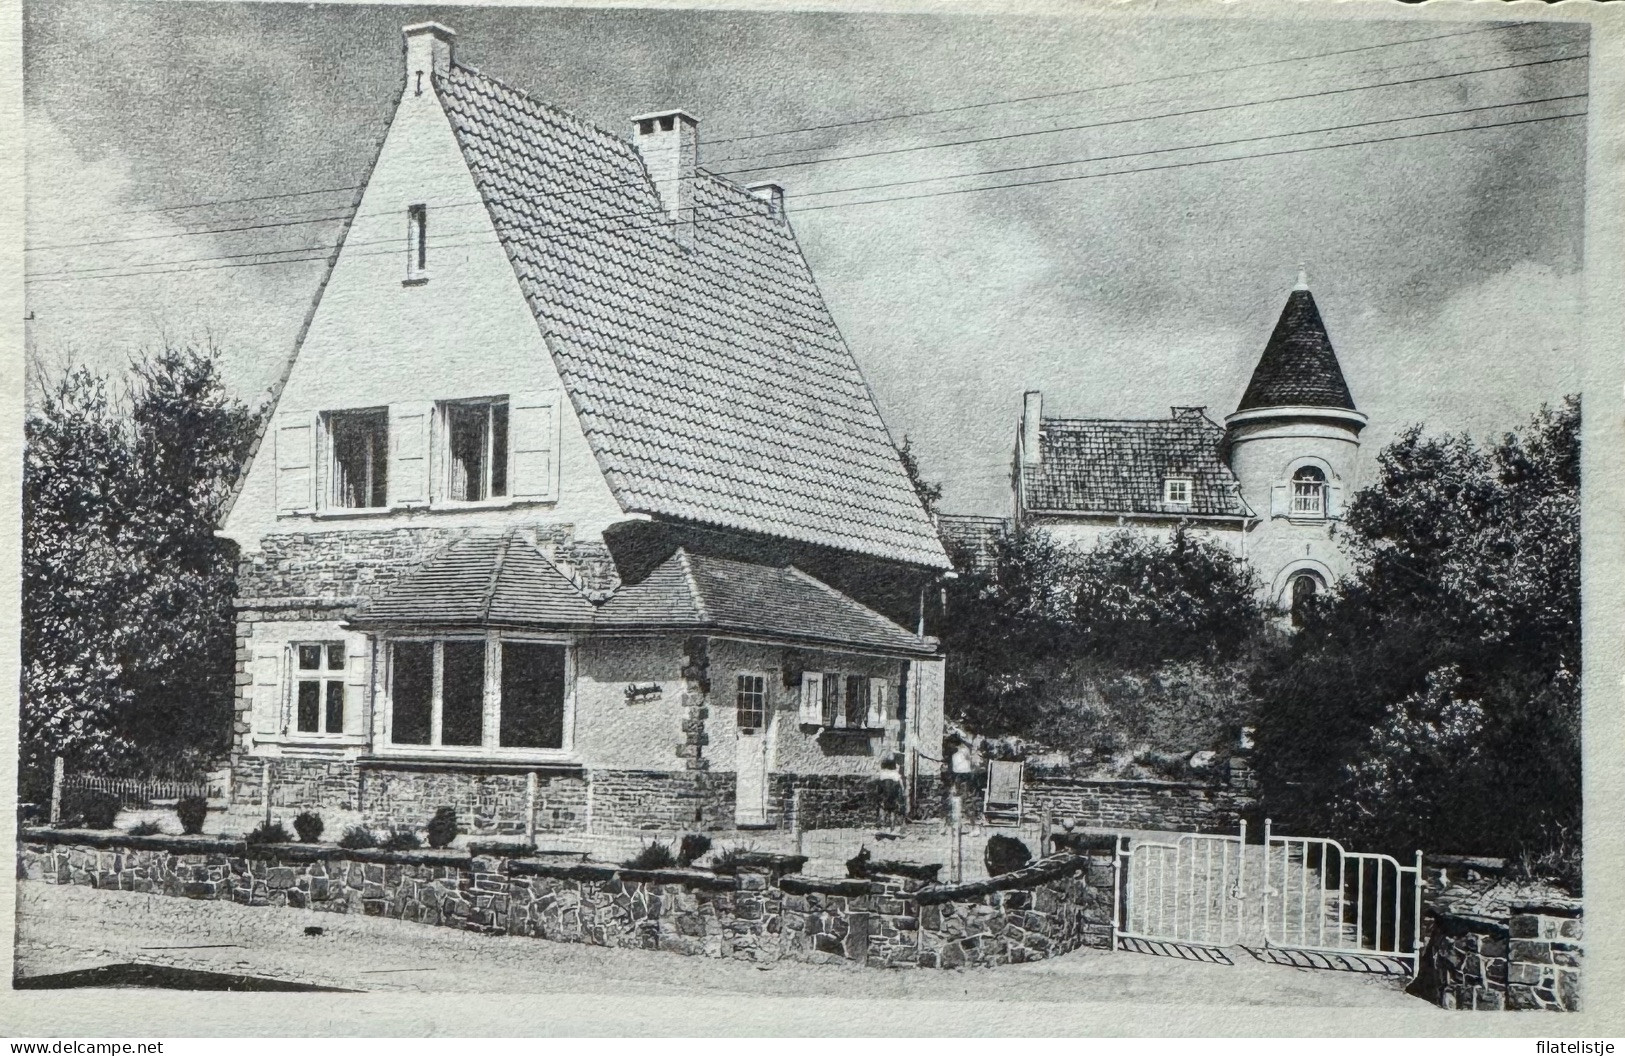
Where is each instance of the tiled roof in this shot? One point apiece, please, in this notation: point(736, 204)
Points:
point(505, 581)
point(711, 382)
point(1103, 466)
point(972, 535)
point(1298, 368)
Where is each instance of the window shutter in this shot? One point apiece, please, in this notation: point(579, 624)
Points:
point(1334, 500)
point(267, 699)
point(295, 462)
point(1280, 499)
point(533, 430)
point(356, 695)
point(876, 718)
point(812, 698)
point(409, 452)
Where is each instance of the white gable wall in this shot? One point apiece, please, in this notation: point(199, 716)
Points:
point(376, 340)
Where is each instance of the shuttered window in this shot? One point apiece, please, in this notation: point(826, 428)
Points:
point(812, 699)
point(295, 464)
point(533, 423)
point(319, 688)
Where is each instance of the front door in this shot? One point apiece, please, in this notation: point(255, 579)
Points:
point(751, 751)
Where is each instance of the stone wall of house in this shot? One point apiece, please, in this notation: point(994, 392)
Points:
point(1502, 946)
point(1164, 805)
point(759, 914)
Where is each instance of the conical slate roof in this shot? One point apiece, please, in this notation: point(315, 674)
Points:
point(1299, 368)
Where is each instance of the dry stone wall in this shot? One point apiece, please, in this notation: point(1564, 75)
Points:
point(759, 914)
point(1162, 805)
point(1502, 946)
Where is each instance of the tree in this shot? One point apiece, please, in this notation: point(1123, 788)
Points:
point(128, 641)
point(930, 492)
point(1434, 701)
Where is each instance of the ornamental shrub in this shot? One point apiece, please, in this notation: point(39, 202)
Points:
point(1005, 854)
point(269, 832)
point(192, 811)
point(146, 828)
point(309, 826)
point(99, 809)
point(653, 856)
point(693, 847)
point(356, 838)
point(403, 840)
point(443, 827)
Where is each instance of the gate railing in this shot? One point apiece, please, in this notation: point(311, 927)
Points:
point(1319, 897)
point(1189, 891)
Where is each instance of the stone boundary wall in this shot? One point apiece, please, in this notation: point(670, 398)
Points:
point(1518, 954)
point(759, 914)
point(1118, 804)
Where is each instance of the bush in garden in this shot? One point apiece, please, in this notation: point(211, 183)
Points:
point(653, 856)
point(693, 847)
point(98, 809)
point(443, 827)
point(146, 828)
point(1005, 854)
point(356, 838)
point(192, 811)
point(309, 826)
point(269, 832)
point(404, 840)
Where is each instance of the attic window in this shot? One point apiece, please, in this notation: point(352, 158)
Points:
point(1176, 491)
point(358, 471)
point(476, 449)
point(417, 243)
point(1309, 492)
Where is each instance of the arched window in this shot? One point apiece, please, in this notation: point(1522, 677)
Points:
point(1309, 492)
point(1303, 589)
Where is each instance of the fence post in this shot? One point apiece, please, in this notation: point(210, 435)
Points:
point(956, 839)
point(530, 808)
point(265, 790)
point(1416, 921)
point(1045, 821)
point(795, 816)
point(58, 775)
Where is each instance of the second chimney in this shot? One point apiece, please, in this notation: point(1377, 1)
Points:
point(1032, 414)
point(670, 144)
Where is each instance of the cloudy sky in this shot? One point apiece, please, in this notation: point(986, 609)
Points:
point(1134, 269)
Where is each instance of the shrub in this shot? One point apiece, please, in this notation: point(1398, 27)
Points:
point(694, 845)
point(309, 826)
point(146, 828)
point(356, 838)
point(99, 809)
point(1005, 854)
point(269, 832)
point(857, 866)
point(729, 860)
point(192, 811)
point(653, 856)
point(403, 840)
point(443, 827)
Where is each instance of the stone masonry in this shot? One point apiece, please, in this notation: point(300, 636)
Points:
point(1503, 946)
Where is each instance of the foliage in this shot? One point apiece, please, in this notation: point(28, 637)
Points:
point(692, 848)
point(652, 856)
point(308, 824)
point(192, 812)
point(930, 492)
point(356, 838)
point(857, 866)
point(95, 809)
point(1005, 854)
point(127, 630)
point(146, 828)
point(442, 828)
point(1434, 701)
point(269, 832)
point(402, 840)
point(729, 859)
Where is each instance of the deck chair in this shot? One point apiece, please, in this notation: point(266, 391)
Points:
point(1002, 801)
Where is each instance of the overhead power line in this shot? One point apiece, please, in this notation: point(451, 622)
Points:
point(718, 216)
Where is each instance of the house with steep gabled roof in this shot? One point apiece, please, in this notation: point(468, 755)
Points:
point(574, 511)
point(1269, 482)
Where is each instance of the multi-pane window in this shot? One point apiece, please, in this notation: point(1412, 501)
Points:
point(843, 701)
point(358, 470)
point(1309, 492)
point(1176, 491)
point(833, 715)
point(476, 449)
point(319, 687)
point(750, 702)
point(857, 701)
point(439, 692)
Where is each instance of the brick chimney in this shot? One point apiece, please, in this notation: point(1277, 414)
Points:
point(1032, 414)
point(670, 144)
point(428, 52)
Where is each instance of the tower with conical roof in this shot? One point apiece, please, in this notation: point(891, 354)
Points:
point(1294, 444)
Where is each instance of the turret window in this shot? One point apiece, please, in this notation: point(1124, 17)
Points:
point(1176, 491)
point(1309, 492)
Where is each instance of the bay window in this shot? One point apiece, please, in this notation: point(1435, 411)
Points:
point(479, 694)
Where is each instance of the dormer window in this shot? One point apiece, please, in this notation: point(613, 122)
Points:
point(417, 243)
point(1309, 492)
point(1176, 491)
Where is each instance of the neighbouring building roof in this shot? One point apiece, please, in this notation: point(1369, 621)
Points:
point(1102, 466)
point(507, 581)
point(1298, 368)
point(972, 535)
point(712, 382)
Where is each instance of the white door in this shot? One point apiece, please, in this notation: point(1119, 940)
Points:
point(754, 722)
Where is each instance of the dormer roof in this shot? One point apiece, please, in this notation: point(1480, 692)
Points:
point(1298, 368)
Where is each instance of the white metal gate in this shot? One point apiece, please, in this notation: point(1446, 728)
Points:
point(1191, 890)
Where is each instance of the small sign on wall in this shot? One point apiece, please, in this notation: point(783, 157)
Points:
point(642, 693)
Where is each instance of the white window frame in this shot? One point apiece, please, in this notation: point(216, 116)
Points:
point(417, 243)
point(327, 486)
point(767, 699)
point(323, 675)
point(1308, 496)
point(1170, 484)
point(443, 461)
point(491, 713)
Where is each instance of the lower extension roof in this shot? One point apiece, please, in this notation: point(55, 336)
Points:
point(507, 581)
